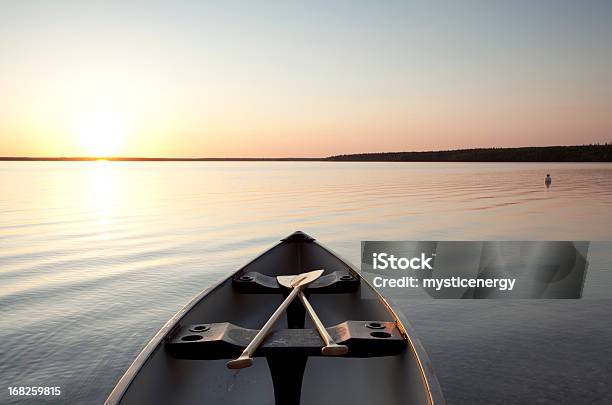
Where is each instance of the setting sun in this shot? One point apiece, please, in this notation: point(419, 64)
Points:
point(101, 134)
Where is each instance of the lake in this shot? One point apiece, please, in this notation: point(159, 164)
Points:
point(96, 256)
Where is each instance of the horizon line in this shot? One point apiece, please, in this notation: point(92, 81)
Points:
point(281, 159)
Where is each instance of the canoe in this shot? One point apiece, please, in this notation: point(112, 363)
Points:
point(186, 361)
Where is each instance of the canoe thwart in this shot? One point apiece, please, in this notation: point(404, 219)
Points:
point(256, 283)
point(226, 340)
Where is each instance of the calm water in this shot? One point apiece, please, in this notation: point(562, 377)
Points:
point(95, 257)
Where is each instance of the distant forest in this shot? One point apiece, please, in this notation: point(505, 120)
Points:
point(582, 153)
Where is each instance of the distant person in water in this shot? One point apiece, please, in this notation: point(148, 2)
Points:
point(548, 180)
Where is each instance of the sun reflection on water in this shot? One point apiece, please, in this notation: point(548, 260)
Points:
point(103, 192)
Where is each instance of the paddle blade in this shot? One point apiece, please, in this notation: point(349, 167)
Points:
point(299, 279)
point(285, 281)
point(306, 278)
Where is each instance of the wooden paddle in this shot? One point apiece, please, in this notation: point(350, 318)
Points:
point(298, 282)
point(331, 348)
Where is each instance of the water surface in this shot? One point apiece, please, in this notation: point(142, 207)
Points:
point(96, 256)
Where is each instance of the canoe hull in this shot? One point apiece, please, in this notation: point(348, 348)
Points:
point(157, 376)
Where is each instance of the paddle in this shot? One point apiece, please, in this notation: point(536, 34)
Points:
point(331, 348)
point(298, 282)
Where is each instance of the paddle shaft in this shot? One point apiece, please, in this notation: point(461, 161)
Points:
point(245, 358)
point(331, 347)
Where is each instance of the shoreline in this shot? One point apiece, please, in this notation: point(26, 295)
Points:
point(601, 153)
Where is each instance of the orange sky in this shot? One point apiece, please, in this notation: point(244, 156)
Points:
point(313, 80)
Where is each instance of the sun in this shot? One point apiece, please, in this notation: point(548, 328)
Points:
point(101, 133)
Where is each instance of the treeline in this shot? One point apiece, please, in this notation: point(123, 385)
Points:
point(581, 153)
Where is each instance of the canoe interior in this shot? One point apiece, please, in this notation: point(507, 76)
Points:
point(396, 379)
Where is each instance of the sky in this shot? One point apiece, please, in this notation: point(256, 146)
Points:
point(301, 79)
